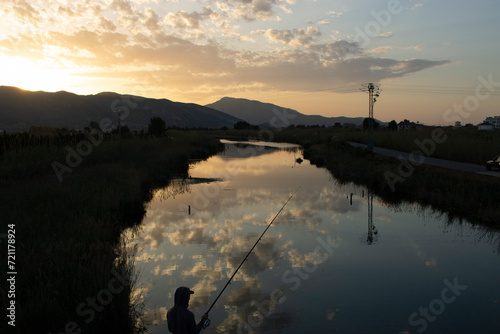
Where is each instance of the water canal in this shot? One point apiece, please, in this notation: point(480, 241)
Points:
point(336, 260)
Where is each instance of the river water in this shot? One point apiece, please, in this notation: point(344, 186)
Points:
point(336, 260)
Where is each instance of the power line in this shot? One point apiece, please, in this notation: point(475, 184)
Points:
point(393, 89)
point(428, 89)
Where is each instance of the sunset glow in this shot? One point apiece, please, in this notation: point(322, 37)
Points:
point(309, 55)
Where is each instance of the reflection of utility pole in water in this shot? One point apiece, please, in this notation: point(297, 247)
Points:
point(369, 239)
point(371, 229)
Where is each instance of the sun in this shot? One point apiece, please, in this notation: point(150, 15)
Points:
point(34, 74)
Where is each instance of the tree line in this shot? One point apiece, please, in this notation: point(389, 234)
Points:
point(46, 137)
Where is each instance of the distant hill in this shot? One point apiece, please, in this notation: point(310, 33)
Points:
point(20, 109)
point(259, 113)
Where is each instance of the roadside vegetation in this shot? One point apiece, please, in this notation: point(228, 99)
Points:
point(465, 144)
point(457, 194)
point(73, 272)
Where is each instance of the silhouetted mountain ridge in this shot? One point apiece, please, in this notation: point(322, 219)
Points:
point(21, 109)
point(260, 113)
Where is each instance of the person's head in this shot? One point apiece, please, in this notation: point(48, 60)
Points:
point(182, 295)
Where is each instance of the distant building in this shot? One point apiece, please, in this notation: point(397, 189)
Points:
point(485, 126)
point(406, 125)
point(495, 121)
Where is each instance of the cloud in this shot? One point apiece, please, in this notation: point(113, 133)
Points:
point(134, 18)
point(335, 14)
point(165, 271)
point(106, 25)
point(385, 218)
point(186, 65)
point(428, 260)
point(417, 5)
point(184, 52)
point(183, 19)
point(151, 20)
point(339, 50)
point(26, 12)
point(263, 257)
point(299, 260)
point(188, 236)
point(415, 47)
point(295, 37)
point(156, 317)
point(384, 49)
point(112, 50)
point(123, 7)
point(252, 10)
point(386, 34)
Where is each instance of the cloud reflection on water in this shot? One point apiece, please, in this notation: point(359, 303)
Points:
point(230, 224)
point(202, 249)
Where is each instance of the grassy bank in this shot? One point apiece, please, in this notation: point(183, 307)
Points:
point(459, 194)
point(72, 271)
point(459, 144)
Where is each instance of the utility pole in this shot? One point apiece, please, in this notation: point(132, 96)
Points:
point(373, 91)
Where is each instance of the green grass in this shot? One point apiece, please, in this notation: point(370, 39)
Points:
point(458, 194)
point(463, 144)
point(68, 233)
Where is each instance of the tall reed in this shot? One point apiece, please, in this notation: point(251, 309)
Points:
point(68, 233)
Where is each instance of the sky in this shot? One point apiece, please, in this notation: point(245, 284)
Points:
point(436, 61)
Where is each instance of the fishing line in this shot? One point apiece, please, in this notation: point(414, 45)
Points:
point(207, 323)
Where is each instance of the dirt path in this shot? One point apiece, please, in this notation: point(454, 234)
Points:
point(461, 166)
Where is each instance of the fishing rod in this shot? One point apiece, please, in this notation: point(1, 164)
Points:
point(207, 323)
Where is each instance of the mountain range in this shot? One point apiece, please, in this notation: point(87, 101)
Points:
point(21, 109)
point(267, 114)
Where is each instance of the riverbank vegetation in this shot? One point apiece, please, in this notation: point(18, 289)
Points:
point(458, 194)
point(455, 193)
point(70, 200)
point(69, 205)
point(465, 144)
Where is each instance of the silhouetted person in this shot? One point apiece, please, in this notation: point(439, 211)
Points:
point(180, 319)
